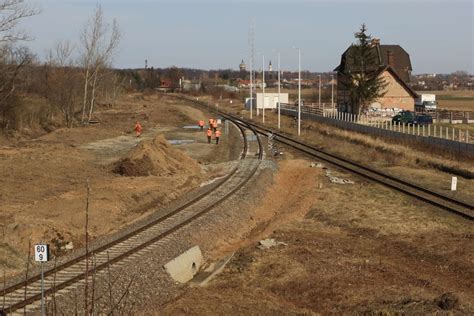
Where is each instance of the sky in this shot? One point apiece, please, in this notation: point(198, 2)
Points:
point(211, 34)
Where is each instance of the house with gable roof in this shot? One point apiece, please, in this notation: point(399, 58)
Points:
point(393, 65)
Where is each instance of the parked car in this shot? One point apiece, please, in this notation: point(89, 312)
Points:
point(423, 119)
point(302, 102)
point(406, 117)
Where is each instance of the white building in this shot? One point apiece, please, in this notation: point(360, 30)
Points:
point(271, 100)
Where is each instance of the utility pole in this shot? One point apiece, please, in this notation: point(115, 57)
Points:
point(252, 52)
point(279, 90)
point(319, 94)
point(332, 91)
point(299, 90)
point(263, 87)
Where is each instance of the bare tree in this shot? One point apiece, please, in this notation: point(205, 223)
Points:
point(11, 13)
point(61, 79)
point(12, 61)
point(99, 42)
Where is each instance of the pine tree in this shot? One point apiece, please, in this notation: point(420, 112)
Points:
point(362, 78)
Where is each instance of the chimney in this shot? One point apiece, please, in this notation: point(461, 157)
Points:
point(375, 41)
point(390, 60)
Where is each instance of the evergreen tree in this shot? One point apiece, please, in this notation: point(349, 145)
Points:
point(362, 76)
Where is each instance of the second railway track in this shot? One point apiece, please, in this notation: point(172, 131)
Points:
point(455, 206)
point(437, 199)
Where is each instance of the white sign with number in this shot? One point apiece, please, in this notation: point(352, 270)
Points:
point(41, 253)
point(454, 183)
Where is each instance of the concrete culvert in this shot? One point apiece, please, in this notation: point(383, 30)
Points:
point(447, 301)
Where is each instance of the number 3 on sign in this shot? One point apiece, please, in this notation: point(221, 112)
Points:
point(41, 253)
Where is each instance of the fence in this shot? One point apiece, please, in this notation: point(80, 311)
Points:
point(446, 139)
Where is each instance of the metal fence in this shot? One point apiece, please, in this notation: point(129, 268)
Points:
point(439, 137)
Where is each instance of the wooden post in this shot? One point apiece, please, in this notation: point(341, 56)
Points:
point(453, 133)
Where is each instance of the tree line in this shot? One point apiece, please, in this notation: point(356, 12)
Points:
point(70, 80)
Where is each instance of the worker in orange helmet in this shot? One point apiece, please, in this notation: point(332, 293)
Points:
point(218, 134)
point(214, 125)
point(201, 124)
point(138, 128)
point(209, 134)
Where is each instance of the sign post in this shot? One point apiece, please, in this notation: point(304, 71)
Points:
point(454, 183)
point(42, 256)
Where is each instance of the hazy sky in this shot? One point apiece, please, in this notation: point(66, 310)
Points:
point(438, 35)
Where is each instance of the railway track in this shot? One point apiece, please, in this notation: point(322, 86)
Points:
point(67, 275)
point(437, 199)
point(455, 206)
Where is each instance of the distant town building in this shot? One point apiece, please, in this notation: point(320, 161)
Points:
point(270, 67)
point(242, 66)
point(393, 65)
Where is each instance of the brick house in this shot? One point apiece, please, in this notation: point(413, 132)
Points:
point(394, 65)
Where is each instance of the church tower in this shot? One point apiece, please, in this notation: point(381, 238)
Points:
point(242, 66)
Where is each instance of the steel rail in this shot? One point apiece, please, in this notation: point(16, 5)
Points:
point(456, 206)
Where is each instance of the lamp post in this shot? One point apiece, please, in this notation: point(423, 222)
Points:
point(299, 90)
point(251, 87)
point(263, 88)
point(332, 91)
point(279, 87)
point(319, 94)
point(279, 73)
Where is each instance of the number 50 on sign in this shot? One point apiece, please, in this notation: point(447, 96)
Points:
point(41, 253)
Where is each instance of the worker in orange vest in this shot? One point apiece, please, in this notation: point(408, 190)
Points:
point(218, 134)
point(201, 124)
point(214, 125)
point(209, 134)
point(210, 122)
point(138, 128)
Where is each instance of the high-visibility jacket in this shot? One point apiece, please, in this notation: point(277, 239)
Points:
point(201, 123)
point(138, 127)
point(218, 133)
point(209, 132)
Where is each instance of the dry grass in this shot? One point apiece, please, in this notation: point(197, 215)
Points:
point(361, 249)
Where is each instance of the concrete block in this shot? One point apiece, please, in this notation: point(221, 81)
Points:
point(185, 266)
point(203, 277)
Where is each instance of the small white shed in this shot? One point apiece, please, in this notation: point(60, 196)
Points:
point(271, 99)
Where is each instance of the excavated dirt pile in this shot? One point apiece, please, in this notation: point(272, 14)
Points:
point(155, 157)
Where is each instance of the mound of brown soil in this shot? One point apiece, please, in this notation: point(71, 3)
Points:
point(155, 157)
